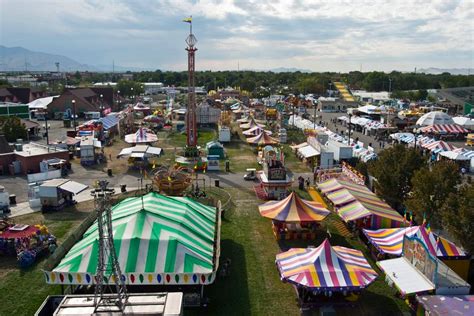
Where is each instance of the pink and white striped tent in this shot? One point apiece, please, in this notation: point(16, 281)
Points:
point(444, 129)
point(143, 135)
point(438, 146)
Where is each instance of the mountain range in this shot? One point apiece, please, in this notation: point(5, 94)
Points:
point(21, 59)
point(452, 71)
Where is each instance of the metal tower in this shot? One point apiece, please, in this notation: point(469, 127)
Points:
point(191, 126)
point(108, 268)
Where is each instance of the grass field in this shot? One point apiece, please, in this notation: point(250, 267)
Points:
point(253, 286)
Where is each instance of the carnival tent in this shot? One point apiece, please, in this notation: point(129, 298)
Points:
point(437, 146)
point(326, 267)
point(444, 129)
point(143, 135)
point(140, 151)
point(464, 122)
point(251, 124)
point(158, 239)
point(435, 117)
point(254, 131)
point(262, 139)
point(293, 209)
point(390, 241)
point(452, 155)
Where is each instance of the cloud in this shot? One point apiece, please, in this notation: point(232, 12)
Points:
point(321, 35)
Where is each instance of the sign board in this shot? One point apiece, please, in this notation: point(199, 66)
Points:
point(416, 253)
point(276, 174)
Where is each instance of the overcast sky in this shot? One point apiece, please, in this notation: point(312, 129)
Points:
point(329, 35)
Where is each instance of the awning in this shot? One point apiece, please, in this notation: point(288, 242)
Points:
point(73, 187)
point(109, 121)
point(154, 151)
point(308, 151)
point(299, 146)
point(405, 277)
point(137, 155)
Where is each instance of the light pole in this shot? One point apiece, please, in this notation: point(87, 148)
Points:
point(133, 99)
point(101, 107)
point(389, 85)
point(415, 131)
point(74, 114)
point(349, 139)
point(314, 122)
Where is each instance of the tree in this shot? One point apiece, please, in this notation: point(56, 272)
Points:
point(125, 88)
point(430, 190)
point(12, 128)
point(458, 216)
point(393, 170)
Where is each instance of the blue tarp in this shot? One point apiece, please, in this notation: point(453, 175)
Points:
point(109, 121)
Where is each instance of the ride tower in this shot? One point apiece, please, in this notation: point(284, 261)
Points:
point(108, 268)
point(191, 150)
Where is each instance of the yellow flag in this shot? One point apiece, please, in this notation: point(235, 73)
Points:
point(188, 20)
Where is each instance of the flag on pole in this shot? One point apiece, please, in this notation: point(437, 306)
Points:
point(188, 20)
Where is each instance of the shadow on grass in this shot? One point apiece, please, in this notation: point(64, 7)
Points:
point(228, 295)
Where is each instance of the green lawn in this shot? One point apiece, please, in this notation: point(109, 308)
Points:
point(252, 288)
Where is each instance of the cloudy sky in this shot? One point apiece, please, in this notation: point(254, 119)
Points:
point(331, 35)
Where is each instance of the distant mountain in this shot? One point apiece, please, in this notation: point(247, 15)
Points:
point(453, 71)
point(20, 59)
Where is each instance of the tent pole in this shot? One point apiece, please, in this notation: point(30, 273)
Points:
point(202, 291)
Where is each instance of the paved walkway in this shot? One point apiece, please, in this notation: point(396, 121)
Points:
point(24, 208)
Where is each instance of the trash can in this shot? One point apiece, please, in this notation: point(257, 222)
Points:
point(123, 188)
point(109, 172)
point(12, 199)
point(216, 183)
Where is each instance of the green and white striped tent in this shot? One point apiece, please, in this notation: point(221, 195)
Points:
point(164, 240)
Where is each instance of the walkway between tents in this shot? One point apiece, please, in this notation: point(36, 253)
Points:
point(316, 196)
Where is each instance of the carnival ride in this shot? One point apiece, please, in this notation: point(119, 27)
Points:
point(172, 181)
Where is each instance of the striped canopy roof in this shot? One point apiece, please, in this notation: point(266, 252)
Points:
point(262, 139)
point(143, 135)
point(294, 209)
point(444, 129)
point(165, 240)
point(438, 146)
point(255, 131)
point(390, 241)
point(251, 124)
point(329, 267)
point(363, 207)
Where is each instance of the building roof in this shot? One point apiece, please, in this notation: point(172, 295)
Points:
point(5, 148)
point(29, 124)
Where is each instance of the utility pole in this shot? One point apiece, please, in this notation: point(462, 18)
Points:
point(191, 126)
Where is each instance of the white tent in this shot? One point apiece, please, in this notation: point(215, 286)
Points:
point(454, 155)
point(464, 122)
point(41, 103)
point(434, 118)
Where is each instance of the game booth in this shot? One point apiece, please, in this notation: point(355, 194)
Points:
point(26, 242)
point(387, 243)
point(161, 240)
point(294, 217)
point(418, 271)
point(140, 156)
point(358, 206)
point(326, 274)
point(274, 182)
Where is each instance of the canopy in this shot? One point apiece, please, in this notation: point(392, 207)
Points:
point(153, 119)
point(464, 121)
point(438, 146)
point(364, 207)
point(158, 240)
point(437, 305)
point(444, 129)
point(293, 209)
point(252, 123)
point(326, 267)
point(390, 241)
point(147, 151)
point(435, 117)
point(308, 151)
point(459, 156)
point(405, 276)
point(262, 139)
point(73, 187)
point(109, 121)
point(255, 131)
point(141, 136)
